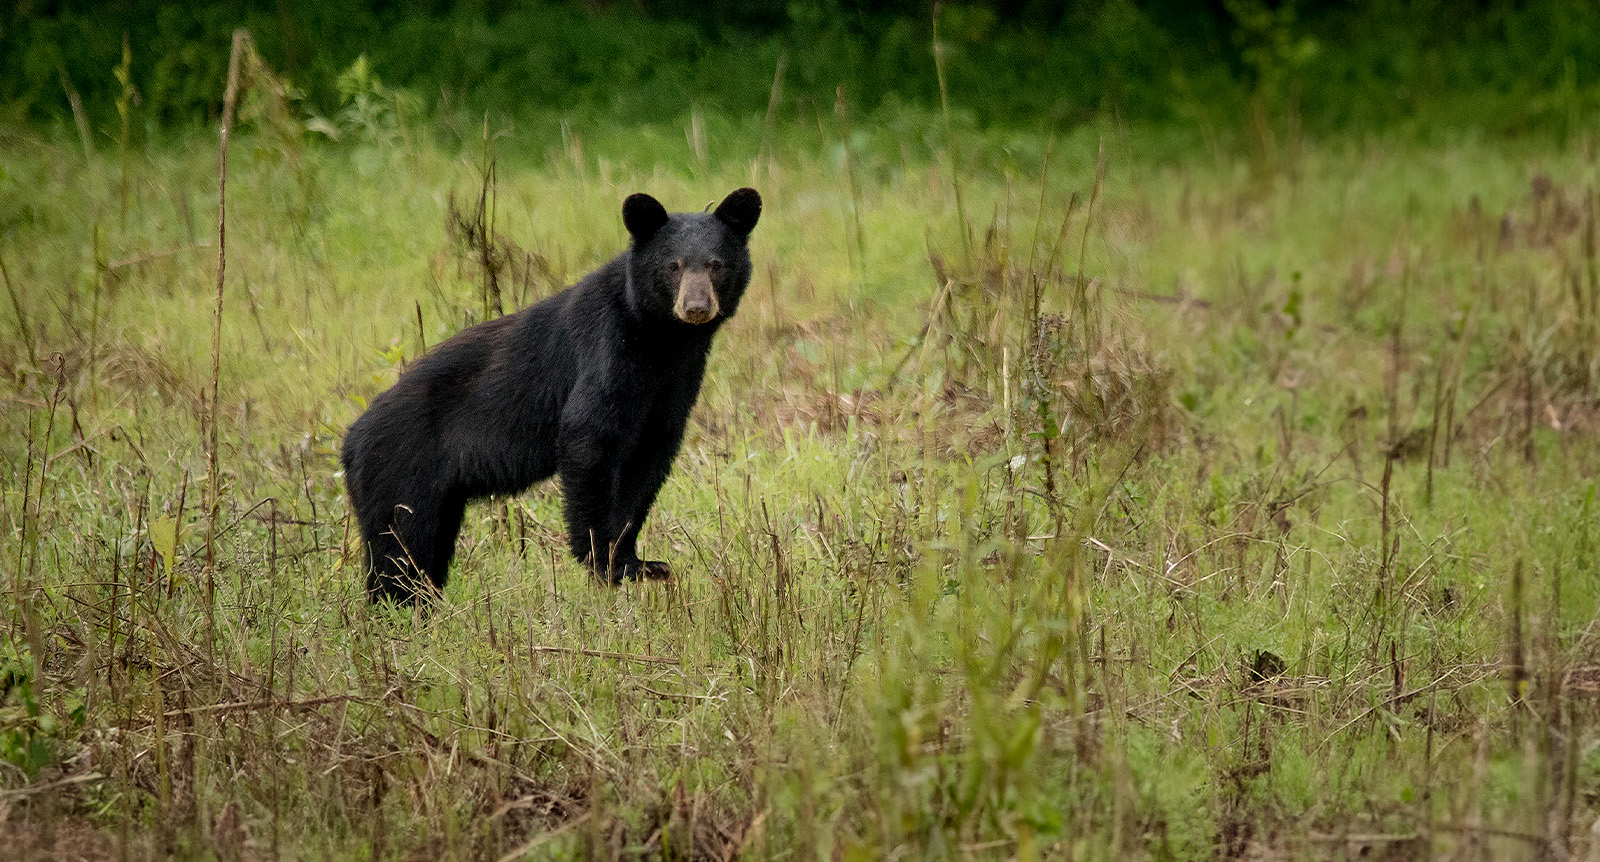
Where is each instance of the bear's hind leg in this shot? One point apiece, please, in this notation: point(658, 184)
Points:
point(401, 548)
point(443, 551)
point(390, 575)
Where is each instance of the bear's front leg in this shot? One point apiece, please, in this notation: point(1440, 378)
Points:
point(637, 485)
point(589, 466)
point(651, 459)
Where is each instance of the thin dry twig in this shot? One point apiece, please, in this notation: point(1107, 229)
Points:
point(595, 653)
point(36, 789)
point(266, 703)
point(146, 257)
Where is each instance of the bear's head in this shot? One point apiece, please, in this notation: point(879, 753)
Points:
point(691, 267)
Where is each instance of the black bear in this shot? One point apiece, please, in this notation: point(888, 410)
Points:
point(595, 383)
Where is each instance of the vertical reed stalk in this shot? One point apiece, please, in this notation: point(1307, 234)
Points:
point(1035, 282)
point(125, 102)
point(23, 584)
point(774, 99)
point(79, 115)
point(950, 138)
point(1090, 315)
point(487, 194)
point(1393, 449)
point(241, 43)
point(841, 111)
point(1517, 672)
point(22, 317)
point(1529, 342)
point(102, 270)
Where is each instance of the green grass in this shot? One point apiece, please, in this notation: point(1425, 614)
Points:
point(1213, 553)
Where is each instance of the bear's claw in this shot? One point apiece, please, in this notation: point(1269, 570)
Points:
point(641, 570)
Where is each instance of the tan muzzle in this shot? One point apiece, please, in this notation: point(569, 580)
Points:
point(697, 301)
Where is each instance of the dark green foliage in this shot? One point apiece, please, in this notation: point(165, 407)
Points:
point(1502, 65)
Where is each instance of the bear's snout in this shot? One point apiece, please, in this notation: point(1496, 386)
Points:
point(697, 301)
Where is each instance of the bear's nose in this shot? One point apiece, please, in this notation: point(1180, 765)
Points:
point(695, 311)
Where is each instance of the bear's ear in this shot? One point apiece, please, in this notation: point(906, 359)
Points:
point(643, 215)
point(740, 210)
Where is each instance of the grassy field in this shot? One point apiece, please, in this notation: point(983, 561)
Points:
point(1125, 494)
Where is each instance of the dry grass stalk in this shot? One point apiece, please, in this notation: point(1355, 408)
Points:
point(241, 45)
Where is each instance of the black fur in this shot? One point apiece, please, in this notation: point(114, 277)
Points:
point(595, 383)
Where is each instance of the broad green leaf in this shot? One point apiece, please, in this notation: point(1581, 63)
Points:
point(164, 536)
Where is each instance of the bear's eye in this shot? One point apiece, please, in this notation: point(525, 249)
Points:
point(676, 265)
point(714, 265)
